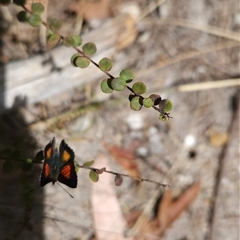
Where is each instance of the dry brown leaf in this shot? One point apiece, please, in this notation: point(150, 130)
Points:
point(170, 210)
point(132, 216)
point(91, 9)
point(125, 158)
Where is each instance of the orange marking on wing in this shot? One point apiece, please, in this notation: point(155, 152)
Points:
point(46, 170)
point(48, 153)
point(66, 171)
point(66, 156)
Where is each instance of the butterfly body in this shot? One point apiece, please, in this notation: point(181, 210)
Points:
point(58, 165)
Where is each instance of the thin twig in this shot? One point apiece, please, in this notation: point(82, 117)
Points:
point(122, 174)
point(216, 31)
point(209, 85)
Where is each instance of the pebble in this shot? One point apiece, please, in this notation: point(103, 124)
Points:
point(135, 121)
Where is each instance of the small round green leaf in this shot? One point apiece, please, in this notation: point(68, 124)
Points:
point(55, 24)
point(139, 88)
point(68, 41)
point(136, 103)
point(15, 154)
point(8, 166)
point(82, 62)
point(76, 164)
point(118, 84)
point(6, 152)
point(34, 20)
point(89, 48)
point(39, 156)
point(156, 98)
point(148, 102)
point(106, 85)
point(163, 117)
point(37, 8)
point(53, 40)
point(89, 163)
point(131, 96)
point(27, 165)
point(105, 64)
point(77, 40)
point(165, 105)
point(73, 59)
point(23, 16)
point(94, 176)
point(127, 75)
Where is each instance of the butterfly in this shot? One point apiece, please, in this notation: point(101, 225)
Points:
point(58, 165)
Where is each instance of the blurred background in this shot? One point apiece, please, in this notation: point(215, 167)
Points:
point(186, 51)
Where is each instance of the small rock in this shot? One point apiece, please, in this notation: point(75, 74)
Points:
point(135, 121)
point(142, 152)
point(189, 141)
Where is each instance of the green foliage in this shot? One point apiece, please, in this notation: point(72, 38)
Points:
point(105, 64)
point(69, 42)
point(34, 20)
point(89, 163)
point(165, 105)
point(37, 8)
point(148, 102)
point(89, 49)
point(73, 59)
point(106, 85)
point(82, 62)
point(118, 84)
point(136, 103)
point(55, 24)
point(76, 166)
point(23, 16)
point(163, 117)
point(139, 88)
point(127, 75)
point(72, 41)
point(77, 40)
point(54, 39)
point(94, 176)
point(79, 61)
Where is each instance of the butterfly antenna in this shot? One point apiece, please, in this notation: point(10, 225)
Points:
point(65, 190)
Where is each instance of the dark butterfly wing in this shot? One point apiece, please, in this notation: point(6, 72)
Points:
point(67, 175)
point(48, 156)
point(45, 175)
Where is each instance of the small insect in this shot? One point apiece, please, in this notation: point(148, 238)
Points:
point(58, 165)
